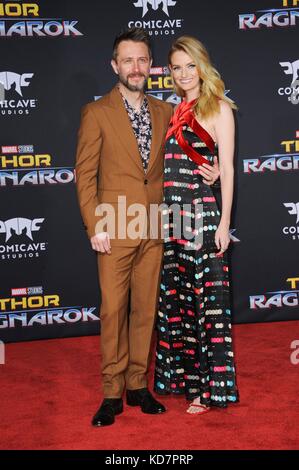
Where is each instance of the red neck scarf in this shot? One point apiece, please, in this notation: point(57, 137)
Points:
point(184, 116)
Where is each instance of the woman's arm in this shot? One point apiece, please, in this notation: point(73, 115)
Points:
point(225, 134)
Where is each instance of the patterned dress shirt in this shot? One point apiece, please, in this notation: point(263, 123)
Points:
point(142, 127)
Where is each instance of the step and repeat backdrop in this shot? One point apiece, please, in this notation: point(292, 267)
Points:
point(54, 58)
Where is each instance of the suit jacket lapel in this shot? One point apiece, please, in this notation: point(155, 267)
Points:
point(157, 131)
point(120, 121)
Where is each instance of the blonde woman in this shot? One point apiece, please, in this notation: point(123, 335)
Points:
point(194, 350)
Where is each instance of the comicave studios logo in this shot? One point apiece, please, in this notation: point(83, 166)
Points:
point(291, 91)
point(29, 306)
point(155, 4)
point(25, 230)
point(164, 25)
point(12, 89)
point(293, 230)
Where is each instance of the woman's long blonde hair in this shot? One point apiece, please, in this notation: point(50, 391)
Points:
point(212, 87)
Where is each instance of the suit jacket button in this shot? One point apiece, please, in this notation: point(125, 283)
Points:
point(145, 181)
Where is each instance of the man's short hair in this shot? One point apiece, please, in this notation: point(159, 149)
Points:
point(132, 34)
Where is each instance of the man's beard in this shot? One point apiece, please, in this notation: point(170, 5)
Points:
point(125, 82)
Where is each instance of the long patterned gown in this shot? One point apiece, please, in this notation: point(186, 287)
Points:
point(194, 345)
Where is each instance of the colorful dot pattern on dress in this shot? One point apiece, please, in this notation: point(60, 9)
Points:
point(194, 347)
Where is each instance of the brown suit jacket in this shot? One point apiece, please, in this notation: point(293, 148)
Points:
point(108, 162)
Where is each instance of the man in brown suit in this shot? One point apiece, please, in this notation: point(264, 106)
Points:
point(120, 163)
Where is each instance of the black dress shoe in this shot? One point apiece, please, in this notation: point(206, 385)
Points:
point(143, 398)
point(107, 411)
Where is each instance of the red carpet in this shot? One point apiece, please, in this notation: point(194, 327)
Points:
point(50, 390)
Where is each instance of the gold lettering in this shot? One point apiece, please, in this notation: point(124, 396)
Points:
point(293, 281)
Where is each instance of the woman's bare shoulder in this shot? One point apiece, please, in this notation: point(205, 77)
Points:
point(225, 110)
